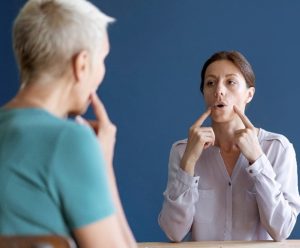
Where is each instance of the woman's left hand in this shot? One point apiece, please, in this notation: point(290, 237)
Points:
point(246, 139)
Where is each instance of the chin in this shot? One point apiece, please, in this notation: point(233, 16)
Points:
point(221, 118)
point(75, 113)
point(79, 111)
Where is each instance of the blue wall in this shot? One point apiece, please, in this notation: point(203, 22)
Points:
point(152, 81)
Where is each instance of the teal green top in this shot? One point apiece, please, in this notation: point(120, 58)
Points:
point(52, 174)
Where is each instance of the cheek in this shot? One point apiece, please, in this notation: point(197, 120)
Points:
point(207, 96)
point(101, 73)
point(240, 94)
point(240, 100)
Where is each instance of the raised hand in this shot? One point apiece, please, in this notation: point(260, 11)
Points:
point(106, 133)
point(104, 129)
point(246, 139)
point(199, 138)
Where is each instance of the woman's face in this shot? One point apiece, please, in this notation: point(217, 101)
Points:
point(225, 86)
point(92, 79)
point(99, 68)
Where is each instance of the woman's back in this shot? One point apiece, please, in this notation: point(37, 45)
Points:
point(49, 169)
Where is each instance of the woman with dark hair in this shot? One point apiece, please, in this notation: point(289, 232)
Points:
point(230, 181)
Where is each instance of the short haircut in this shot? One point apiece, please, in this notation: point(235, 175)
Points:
point(237, 59)
point(48, 33)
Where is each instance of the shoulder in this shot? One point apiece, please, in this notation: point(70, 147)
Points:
point(270, 137)
point(73, 129)
point(71, 137)
point(179, 146)
point(180, 142)
point(50, 126)
point(66, 128)
point(77, 145)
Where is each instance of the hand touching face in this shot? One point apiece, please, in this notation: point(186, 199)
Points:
point(104, 129)
point(199, 138)
point(246, 139)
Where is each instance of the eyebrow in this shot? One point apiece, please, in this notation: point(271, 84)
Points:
point(227, 75)
point(232, 74)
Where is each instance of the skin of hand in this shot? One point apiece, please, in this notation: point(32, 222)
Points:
point(104, 129)
point(106, 133)
point(246, 139)
point(199, 138)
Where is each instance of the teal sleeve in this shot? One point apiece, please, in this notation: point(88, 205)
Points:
point(79, 179)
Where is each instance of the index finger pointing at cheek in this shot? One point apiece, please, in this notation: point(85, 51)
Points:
point(202, 118)
point(243, 117)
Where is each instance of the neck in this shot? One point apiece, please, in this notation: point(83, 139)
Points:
point(224, 135)
point(49, 97)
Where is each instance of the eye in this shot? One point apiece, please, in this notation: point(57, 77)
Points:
point(209, 83)
point(232, 82)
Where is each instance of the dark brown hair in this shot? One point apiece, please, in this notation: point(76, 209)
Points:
point(237, 59)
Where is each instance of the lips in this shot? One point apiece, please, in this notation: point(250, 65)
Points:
point(219, 105)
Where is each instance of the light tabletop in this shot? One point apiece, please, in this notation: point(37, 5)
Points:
point(224, 244)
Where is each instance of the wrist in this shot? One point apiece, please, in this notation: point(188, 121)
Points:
point(188, 166)
point(254, 158)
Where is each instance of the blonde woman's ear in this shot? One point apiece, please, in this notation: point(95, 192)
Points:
point(80, 65)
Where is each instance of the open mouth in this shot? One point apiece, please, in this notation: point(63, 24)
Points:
point(219, 105)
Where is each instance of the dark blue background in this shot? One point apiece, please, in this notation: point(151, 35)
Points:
point(152, 81)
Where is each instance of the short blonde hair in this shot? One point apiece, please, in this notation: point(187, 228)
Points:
point(48, 33)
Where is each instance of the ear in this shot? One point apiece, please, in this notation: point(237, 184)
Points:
point(251, 92)
point(80, 64)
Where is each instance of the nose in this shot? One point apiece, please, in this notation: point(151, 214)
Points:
point(219, 90)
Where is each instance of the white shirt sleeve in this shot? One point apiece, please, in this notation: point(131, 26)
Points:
point(276, 187)
point(176, 216)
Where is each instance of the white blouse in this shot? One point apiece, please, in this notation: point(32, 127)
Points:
point(257, 202)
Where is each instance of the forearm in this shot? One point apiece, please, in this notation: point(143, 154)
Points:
point(177, 214)
point(277, 204)
point(128, 236)
point(175, 221)
point(105, 132)
point(188, 165)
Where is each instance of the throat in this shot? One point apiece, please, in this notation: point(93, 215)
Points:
point(230, 159)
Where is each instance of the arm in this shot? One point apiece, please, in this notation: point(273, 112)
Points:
point(104, 233)
point(106, 132)
point(276, 184)
point(83, 190)
point(176, 216)
point(277, 192)
point(125, 229)
point(178, 209)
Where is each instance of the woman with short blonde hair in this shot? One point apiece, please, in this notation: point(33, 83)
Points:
point(57, 175)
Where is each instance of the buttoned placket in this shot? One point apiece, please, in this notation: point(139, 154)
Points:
point(229, 195)
point(228, 220)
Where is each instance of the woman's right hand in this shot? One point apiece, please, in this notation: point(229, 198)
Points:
point(104, 129)
point(88, 236)
point(199, 138)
